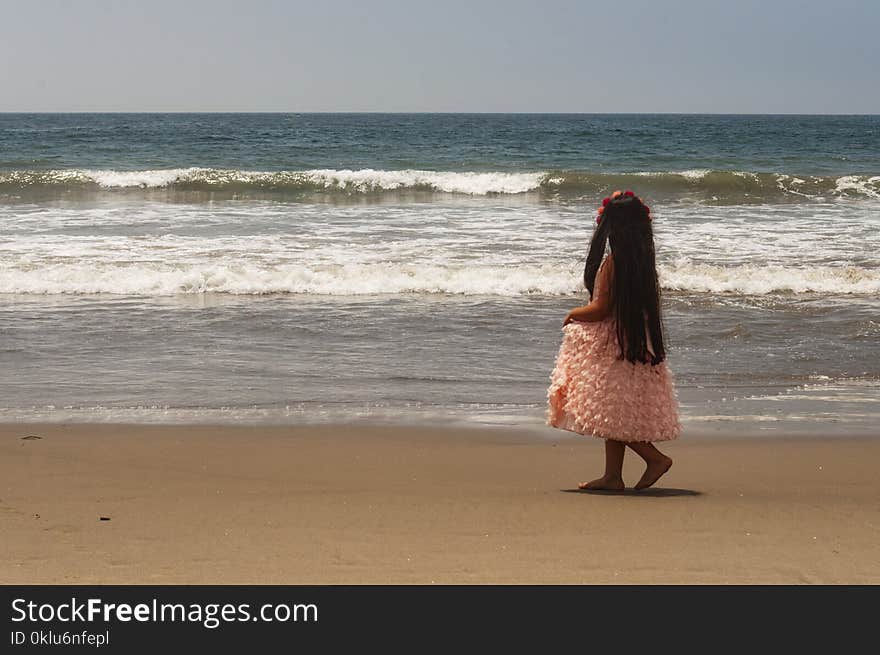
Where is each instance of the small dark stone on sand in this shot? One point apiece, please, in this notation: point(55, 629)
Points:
point(104, 518)
point(32, 436)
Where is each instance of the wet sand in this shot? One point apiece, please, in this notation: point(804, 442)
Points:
point(356, 504)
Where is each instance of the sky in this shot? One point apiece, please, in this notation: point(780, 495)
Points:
point(735, 56)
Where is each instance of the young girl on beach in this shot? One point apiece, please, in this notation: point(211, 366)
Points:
point(611, 380)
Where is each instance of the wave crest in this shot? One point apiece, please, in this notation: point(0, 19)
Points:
point(708, 185)
point(758, 280)
point(241, 278)
point(317, 180)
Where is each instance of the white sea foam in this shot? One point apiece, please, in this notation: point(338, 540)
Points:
point(861, 185)
point(364, 180)
point(695, 174)
point(755, 279)
point(449, 182)
point(690, 174)
point(244, 277)
point(356, 279)
point(148, 179)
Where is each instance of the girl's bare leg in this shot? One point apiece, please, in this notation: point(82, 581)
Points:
point(657, 462)
point(613, 478)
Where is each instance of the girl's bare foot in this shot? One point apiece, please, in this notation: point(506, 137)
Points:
point(604, 483)
point(655, 470)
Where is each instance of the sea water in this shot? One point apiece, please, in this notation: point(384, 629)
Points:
point(417, 267)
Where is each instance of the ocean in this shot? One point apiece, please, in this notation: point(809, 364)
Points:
point(297, 268)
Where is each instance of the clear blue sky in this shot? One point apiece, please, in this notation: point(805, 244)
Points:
point(736, 56)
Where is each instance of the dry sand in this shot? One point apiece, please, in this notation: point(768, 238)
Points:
point(347, 504)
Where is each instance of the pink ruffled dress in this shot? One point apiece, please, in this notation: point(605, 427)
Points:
point(594, 392)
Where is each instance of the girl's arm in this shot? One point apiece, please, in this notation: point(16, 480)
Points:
point(600, 306)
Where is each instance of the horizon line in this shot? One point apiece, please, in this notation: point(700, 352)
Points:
point(440, 113)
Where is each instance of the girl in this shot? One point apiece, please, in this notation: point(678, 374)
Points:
point(610, 379)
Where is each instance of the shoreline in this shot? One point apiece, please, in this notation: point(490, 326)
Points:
point(355, 504)
point(530, 427)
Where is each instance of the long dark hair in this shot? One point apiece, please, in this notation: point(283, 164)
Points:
point(635, 291)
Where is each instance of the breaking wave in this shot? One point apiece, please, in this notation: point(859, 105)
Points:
point(248, 278)
point(708, 185)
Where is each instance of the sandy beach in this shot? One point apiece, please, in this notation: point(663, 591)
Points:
point(348, 504)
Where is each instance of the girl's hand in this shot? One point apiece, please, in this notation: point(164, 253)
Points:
point(569, 317)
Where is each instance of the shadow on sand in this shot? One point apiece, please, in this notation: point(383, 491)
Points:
point(653, 492)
